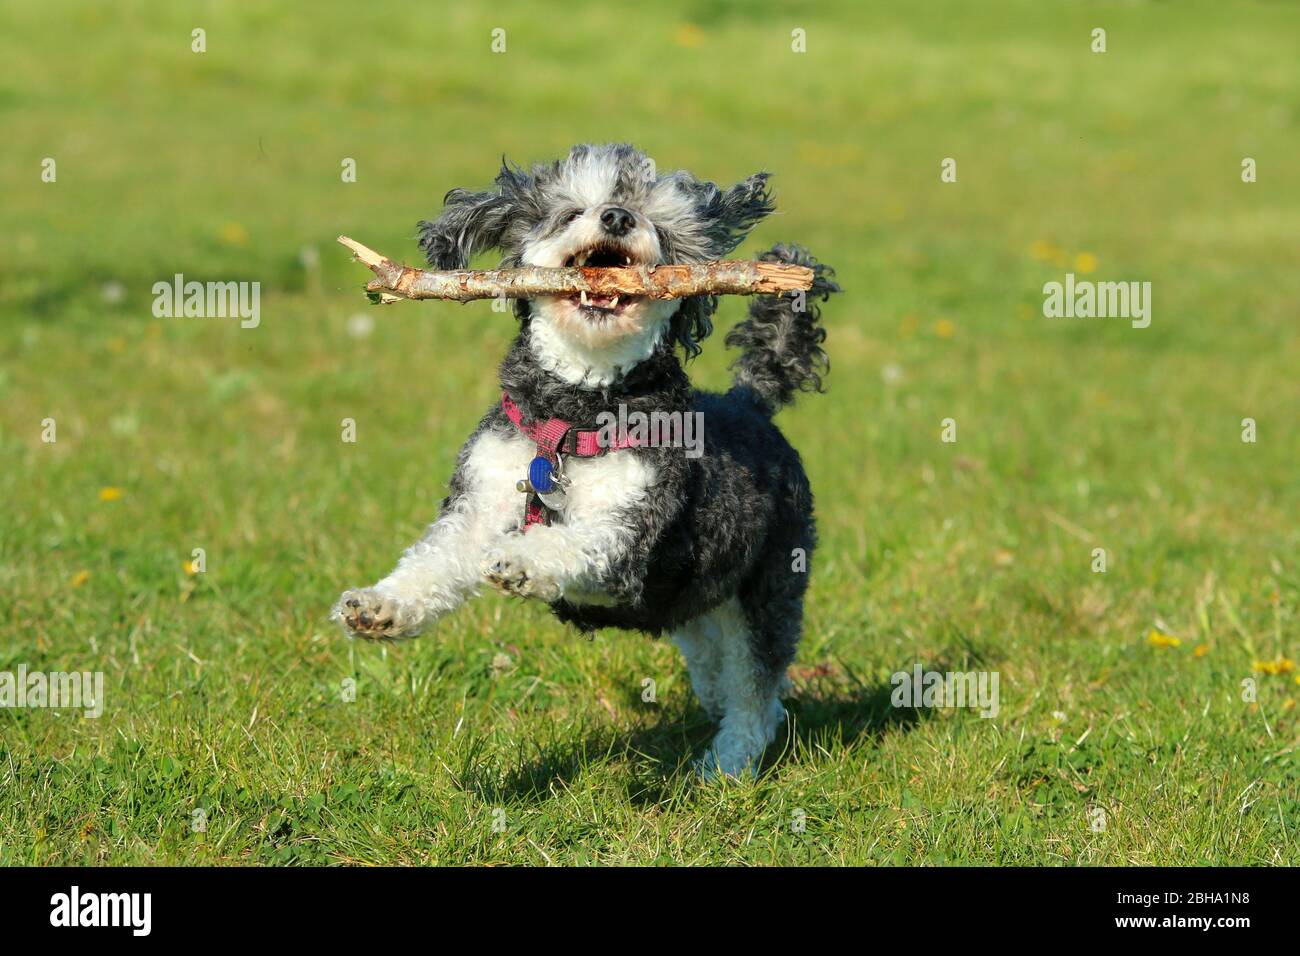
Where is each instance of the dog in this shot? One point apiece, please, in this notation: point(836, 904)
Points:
point(712, 549)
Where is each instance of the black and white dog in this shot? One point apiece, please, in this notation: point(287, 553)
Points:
point(711, 549)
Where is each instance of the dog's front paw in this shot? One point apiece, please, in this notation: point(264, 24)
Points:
point(365, 612)
point(515, 574)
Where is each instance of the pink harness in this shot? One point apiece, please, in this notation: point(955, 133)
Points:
point(555, 438)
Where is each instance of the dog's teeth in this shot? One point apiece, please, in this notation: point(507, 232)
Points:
point(614, 303)
point(584, 296)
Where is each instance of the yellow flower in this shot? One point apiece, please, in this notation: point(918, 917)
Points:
point(689, 35)
point(1279, 665)
point(1288, 703)
point(1043, 251)
point(945, 329)
point(1158, 639)
point(234, 234)
point(1201, 650)
point(1085, 262)
point(80, 578)
point(189, 567)
point(110, 493)
point(816, 153)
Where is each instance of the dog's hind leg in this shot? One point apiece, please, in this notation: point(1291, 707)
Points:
point(700, 641)
point(761, 628)
point(749, 690)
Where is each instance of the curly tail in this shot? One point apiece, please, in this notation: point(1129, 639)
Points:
point(781, 342)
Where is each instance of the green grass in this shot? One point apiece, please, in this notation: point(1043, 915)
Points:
point(224, 689)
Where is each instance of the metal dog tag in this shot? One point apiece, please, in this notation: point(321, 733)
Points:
point(555, 497)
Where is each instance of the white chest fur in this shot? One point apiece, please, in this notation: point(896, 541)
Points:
point(601, 489)
point(595, 524)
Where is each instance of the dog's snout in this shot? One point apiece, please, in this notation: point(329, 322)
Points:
point(617, 221)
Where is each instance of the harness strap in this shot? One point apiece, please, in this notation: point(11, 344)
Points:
point(555, 437)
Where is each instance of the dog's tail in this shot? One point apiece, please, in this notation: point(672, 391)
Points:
point(780, 342)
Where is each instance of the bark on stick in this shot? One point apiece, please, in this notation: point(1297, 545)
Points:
point(393, 280)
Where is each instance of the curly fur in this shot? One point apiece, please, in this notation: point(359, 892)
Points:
point(713, 549)
point(780, 342)
point(708, 224)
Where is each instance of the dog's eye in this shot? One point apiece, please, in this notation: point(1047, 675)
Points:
point(574, 215)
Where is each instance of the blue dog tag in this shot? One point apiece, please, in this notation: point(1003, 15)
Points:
point(539, 474)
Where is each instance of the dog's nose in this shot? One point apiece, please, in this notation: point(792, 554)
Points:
point(617, 221)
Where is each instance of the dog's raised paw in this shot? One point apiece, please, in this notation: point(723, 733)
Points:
point(513, 575)
point(365, 612)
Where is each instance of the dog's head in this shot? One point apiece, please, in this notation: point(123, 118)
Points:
point(601, 206)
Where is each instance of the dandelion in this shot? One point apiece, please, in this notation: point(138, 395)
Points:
point(80, 578)
point(1201, 650)
point(1043, 251)
point(234, 234)
point(816, 153)
point(689, 35)
point(189, 567)
point(1085, 262)
point(1160, 639)
point(945, 329)
point(110, 493)
point(1279, 665)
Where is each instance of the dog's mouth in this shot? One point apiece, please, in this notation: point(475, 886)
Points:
point(599, 256)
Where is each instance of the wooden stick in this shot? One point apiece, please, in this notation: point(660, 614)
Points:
point(729, 277)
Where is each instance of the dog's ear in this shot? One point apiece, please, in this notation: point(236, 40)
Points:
point(730, 214)
point(470, 223)
point(692, 323)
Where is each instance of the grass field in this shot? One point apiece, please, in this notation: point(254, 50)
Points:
point(503, 737)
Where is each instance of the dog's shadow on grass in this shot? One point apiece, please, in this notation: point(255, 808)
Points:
point(658, 755)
